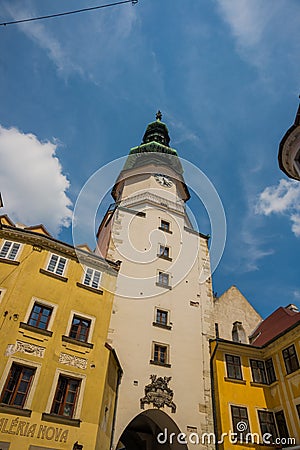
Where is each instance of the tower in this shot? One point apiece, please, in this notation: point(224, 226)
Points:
point(161, 322)
point(289, 153)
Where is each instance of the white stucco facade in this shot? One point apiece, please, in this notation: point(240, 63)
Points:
point(136, 240)
point(165, 267)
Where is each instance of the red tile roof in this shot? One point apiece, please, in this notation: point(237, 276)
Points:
point(275, 324)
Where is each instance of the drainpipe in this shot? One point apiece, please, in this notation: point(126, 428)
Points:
point(213, 396)
point(115, 409)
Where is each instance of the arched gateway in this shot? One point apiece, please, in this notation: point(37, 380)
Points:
point(151, 430)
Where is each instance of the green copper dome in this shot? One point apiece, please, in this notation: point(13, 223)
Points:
point(154, 150)
point(157, 131)
point(156, 139)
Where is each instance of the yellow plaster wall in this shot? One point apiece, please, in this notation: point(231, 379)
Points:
point(20, 283)
point(280, 395)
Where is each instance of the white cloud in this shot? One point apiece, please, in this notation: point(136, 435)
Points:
point(296, 294)
point(246, 19)
point(282, 199)
point(295, 218)
point(254, 251)
point(32, 183)
point(260, 34)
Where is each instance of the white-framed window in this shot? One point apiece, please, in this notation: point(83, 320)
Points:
point(80, 327)
point(40, 314)
point(18, 382)
point(234, 367)
point(56, 264)
point(66, 395)
point(92, 277)
point(10, 250)
point(240, 414)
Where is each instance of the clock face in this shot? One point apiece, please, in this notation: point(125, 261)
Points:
point(163, 180)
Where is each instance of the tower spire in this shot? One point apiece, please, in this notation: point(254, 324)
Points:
point(158, 115)
point(157, 131)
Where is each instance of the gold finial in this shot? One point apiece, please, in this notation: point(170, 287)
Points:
point(158, 115)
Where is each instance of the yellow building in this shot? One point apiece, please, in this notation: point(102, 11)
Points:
point(256, 386)
point(58, 377)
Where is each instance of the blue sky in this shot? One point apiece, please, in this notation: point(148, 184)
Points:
point(77, 92)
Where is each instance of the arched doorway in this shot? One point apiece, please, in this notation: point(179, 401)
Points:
point(142, 433)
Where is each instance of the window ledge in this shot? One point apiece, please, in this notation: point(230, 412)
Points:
point(157, 363)
point(53, 275)
point(167, 258)
point(161, 325)
point(166, 286)
point(27, 327)
point(61, 419)
point(89, 288)
point(9, 409)
point(291, 374)
point(235, 380)
point(10, 261)
point(166, 231)
point(256, 383)
point(76, 342)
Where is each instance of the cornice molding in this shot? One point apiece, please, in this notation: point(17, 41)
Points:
point(53, 245)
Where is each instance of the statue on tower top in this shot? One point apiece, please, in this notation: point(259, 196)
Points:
point(158, 115)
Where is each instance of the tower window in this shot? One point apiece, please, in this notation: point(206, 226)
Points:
point(165, 226)
point(10, 250)
point(160, 354)
point(162, 317)
point(163, 280)
point(164, 252)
